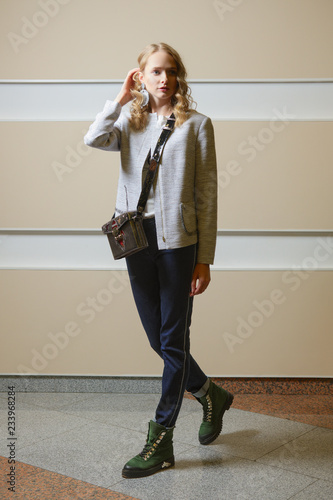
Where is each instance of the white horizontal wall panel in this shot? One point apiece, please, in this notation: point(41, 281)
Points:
point(89, 250)
point(221, 100)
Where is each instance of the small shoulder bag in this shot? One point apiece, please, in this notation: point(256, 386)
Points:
point(125, 232)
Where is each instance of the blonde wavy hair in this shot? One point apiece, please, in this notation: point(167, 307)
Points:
point(181, 101)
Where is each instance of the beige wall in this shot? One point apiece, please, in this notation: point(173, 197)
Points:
point(48, 323)
point(218, 39)
point(272, 323)
point(65, 184)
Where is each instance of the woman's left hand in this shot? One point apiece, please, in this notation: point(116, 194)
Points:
point(200, 279)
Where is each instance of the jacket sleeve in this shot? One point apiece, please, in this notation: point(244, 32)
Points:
point(105, 132)
point(206, 192)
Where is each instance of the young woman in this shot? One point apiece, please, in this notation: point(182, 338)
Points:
point(180, 223)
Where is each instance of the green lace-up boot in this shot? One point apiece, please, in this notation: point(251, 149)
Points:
point(156, 455)
point(215, 403)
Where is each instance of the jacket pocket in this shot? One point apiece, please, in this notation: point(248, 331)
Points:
point(188, 217)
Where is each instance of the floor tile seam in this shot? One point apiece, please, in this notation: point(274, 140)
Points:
point(274, 466)
point(252, 460)
point(73, 477)
point(74, 413)
point(41, 470)
point(225, 454)
point(117, 427)
point(108, 424)
point(266, 414)
point(55, 471)
point(91, 398)
point(58, 407)
point(19, 448)
point(303, 489)
point(37, 468)
point(266, 466)
point(108, 413)
point(99, 396)
point(288, 417)
point(184, 418)
point(320, 426)
point(36, 407)
point(330, 481)
point(310, 476)
point(263, 413)
point(286, 443)
point(194, 410)
point(122, 481)
point(186, 448)
point(317, 426)
point(65, 410)
point(113, 486)
point(270, 415)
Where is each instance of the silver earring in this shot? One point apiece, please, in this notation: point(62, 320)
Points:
point(145, 95)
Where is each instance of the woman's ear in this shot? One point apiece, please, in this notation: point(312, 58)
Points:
point(140, 76)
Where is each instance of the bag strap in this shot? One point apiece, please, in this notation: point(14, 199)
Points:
point(149, 179)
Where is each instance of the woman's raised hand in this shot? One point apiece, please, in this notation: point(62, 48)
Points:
point(125, 95)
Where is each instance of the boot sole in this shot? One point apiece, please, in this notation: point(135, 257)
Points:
point(135, 473)
point(225, 407)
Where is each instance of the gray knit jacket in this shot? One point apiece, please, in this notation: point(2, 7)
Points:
point(185, 192)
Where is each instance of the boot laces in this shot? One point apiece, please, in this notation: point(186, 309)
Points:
point(208, 409)
point(150, 448)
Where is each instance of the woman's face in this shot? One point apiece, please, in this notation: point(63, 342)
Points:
point(160, 76)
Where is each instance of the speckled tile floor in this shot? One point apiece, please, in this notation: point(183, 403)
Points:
point(309, 401)
point(72, 446)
